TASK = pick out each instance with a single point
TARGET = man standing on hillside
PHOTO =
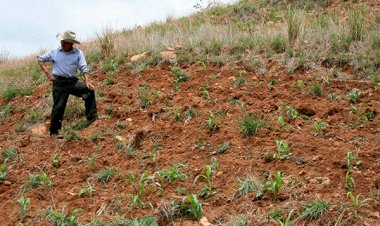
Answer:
(66, 61)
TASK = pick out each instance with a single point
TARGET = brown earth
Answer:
(316, 168)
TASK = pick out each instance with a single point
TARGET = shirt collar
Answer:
(72, 51)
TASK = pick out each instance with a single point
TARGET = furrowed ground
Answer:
(228, 133)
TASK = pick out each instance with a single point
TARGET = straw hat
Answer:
(67, 36)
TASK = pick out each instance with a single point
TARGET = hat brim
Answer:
(60, 38)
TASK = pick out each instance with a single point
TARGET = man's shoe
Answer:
(56, 136)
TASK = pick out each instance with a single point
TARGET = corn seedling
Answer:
(212, 123)
(318, 127)
(272, 186)
(91, 161)
(251, 125)
(281, 121)
(357, 203)
(349, 182)
(62, 218)
(56, 160)
(326, 81)
(240, 79)
(354, 95)
(136, 201)
(283, 150)
(86, 191)
(204, 93)
(206, 174)
(291, 113)
(3, 171)
(315, 209)
(299, 85)
(249, 184)
(190, 206)
(177, 113)
(359, 114)
(288, 221)
(180, 75)
(139, 185)
(349, 158)
(38, 180)
(173, 173)
(23, 202)
(105, 175)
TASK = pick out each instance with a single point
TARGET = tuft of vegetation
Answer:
(249, 184)
(294, 21)
(251, 125)
(283, 150)
(356, 21)
(173, 173)
(190, 206)
(5, 112)
(62, 218)
(104, 176)
(37, 180)
(315, 209)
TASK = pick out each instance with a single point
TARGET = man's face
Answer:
(66, 46)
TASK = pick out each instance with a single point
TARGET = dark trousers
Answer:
(62, 88)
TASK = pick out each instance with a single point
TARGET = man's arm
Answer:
(87, 81)
(44, 68)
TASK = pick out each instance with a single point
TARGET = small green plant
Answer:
(221, 149)
(20, 127)
(110, 80)
(275, 184)
(140, 185)
(23, 202)
(91, 161)
(272, 82)
(283, 150)
(359, 114)
(190, 113)
(275, 214)
(281, 121)
(9, 153)
(190, 206)
(316, 90)
(3, 171)
(105, 175)
(212, 123)
(251, 125)
(34, 116)
(349, 182)
(288, 221)
(315, 209)
(144, 96)
(357, 203)
(37, 180)
(180, 75)
(206, 174)
(177, 113)
(291, 113)
(299, 85)
(318, 127)
(86, 191)
(56, 160)
(278, 44)
(354, 95)
(173, 173)
(5, 112)
(240, 79)
(204, 93)
(62, 218)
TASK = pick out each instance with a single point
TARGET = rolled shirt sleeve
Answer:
(47, 57)
(82, 64)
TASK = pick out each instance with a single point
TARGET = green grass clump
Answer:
(11, 92)
(180, 75)
(315, 209)
(316, 90)
(38, 180)
(62, 218)
(172, 173)
(5, 112)
(251, 125)
(105, 175)
(356, 22)
(248, 184)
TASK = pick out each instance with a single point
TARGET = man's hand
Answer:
(88, 82)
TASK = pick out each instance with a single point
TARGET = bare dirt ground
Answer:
(316, 168)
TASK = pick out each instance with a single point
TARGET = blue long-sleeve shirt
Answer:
(65, 64)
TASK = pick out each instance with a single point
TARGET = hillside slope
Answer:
(213, 129)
